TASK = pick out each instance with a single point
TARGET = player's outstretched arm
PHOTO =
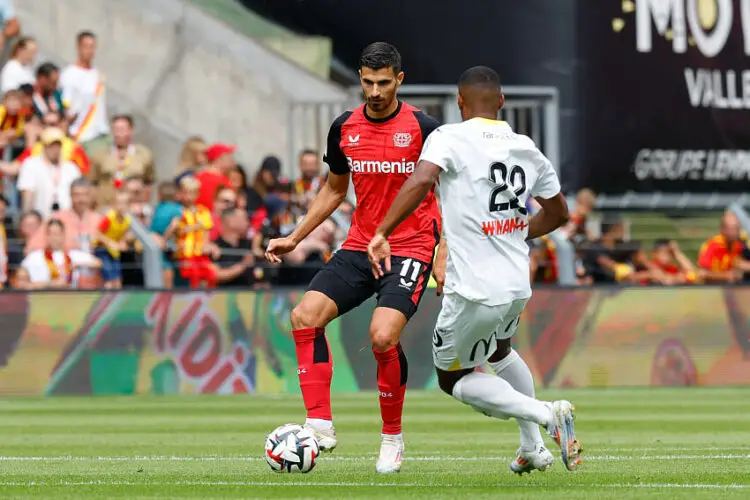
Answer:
(407, 200)
(325, 203)
(410, 196)
(554, 213)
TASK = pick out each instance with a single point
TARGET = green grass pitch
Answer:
(639, 443)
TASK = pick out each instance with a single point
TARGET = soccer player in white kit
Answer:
(487, 173)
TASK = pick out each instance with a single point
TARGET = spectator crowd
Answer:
(612, 258)
(77, 184)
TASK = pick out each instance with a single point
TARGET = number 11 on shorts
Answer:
(416, 267)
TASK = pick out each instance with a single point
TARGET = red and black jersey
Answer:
(381, 154)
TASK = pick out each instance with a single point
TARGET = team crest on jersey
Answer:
(402, 139)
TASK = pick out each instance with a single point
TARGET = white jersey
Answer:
(489, 173)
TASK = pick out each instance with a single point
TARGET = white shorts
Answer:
(466, 332)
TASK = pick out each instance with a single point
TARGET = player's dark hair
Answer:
(479, 76)
(27, 89)
(47, 69)
(660, 244)
(81, 36)
(380, 55)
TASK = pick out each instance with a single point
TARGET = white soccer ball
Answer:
(291, 448)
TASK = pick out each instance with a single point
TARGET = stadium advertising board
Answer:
(237, 343)
(665, 95)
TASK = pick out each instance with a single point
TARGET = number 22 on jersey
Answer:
(506, 181)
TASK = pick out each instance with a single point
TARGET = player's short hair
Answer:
(660, 244)
(479, 76)
(82, 35)
(308, 151)
(47, 69)
(381, 55)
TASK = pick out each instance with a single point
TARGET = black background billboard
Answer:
(663, 103)
(671, 115)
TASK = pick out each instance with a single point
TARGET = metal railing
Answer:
(530, 110)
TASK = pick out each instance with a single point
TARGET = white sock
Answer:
(319, 423)
(514, 370)
(495, 397)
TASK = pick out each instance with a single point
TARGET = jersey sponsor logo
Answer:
(501, 227)
(353, 140)
(381, 167)
(402, 139)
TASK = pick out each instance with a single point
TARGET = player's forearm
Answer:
(407, 200)
(544, 223)
(322, 207)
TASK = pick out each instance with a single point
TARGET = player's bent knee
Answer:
(502, 351)
(383, 339)
(312, 313)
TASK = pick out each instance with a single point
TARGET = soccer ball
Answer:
(291, 448)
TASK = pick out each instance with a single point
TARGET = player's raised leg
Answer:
(393, 370)
(314, 363)
(461, 342)
(508, 365)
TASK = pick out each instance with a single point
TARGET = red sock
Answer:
(315, 370)
(392, 374)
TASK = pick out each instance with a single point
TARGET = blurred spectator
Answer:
(721, 258)
(54, 267)
(111, 240)
(265, 181)
(192, 230)
(280, 221)
(83, 89)
(310, 179)
(235, 261)
(71, 150)
(576, 226)
(3, 244)
(193, 155)
(671, 266)
(28, 225)
(238, 179)
(124, 160)
(166, 211)
(47, 97)
(12, 119)
(308, 257)
(8, 22)
(215, 174)
(225, 199)
(45, 180)
(604, 261)
(81, 222)
(20, 68)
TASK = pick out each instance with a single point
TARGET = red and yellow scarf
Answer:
(54, 272)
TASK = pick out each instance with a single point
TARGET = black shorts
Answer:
(347, 280)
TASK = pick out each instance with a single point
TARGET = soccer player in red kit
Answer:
(377, 145)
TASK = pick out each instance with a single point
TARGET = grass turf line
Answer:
(647, 443)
